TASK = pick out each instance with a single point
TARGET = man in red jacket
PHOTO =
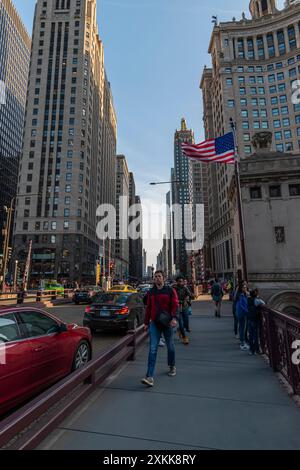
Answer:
(161, 299)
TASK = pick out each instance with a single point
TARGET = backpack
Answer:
(217, 290)
(253, 310)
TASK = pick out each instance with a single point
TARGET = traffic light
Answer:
(98, 273)
(9, 253)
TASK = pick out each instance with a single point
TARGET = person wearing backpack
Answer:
(160, 318)
(217, 296)
(183, 294)
(254, 314)
(242, 312)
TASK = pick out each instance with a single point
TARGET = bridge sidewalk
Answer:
(222, 398)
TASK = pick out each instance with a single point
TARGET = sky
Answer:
(155, 51)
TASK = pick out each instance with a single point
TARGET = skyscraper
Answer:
(135, 245)
(254, 64)
(14, 67)
(122, 204)
(183, 192)
(68, 158)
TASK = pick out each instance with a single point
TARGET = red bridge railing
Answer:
(280, 341)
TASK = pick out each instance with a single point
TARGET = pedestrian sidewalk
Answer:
(221, 398)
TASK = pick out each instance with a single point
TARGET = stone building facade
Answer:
(270, 191)
(67, 167)
(255, 63)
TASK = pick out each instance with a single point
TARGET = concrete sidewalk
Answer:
(222, 398)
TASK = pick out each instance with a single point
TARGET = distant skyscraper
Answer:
(14, 67)
(254, 63)
(68, 159)
(122, 241)
(183, 191)
(144, 262)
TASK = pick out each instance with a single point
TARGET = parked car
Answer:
(37, 350)
(122, 288)
(114, 310)
(82, 296)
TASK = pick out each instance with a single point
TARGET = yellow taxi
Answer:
(123, 288)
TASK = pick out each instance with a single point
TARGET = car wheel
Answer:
(82, 355)
(76, 303)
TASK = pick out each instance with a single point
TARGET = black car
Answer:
(112, 311)
(82, 296)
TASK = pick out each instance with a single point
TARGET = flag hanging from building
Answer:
(219, 150)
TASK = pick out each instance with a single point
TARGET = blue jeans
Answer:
(183, 322)
(253, 328)
(155, 334)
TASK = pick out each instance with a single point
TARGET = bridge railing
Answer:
(280, 341)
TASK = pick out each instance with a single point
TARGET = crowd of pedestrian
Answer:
(246, 309)
(247, 317)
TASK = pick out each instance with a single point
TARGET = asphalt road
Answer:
(70, 313)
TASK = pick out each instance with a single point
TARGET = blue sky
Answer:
(155, 51)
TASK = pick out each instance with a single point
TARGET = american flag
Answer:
(220, 150)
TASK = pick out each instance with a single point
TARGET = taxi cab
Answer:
(123, 288)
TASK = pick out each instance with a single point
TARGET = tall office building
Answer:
(69, 146)
(135, 246)
(183, 192)
(15, 46)
(122, 204)
(144, 262)
(254, 64)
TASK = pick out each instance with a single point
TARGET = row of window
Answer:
(260, 68)
(274, 191)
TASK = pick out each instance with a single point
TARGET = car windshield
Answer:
(114, 299)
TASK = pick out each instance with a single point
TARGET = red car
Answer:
(36, 350)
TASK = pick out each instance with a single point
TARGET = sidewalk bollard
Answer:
(53, 295)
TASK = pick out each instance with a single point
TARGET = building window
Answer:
(275, 191)
(255, 192)
(280, 234)
(280, 148)
(230, 103)
(294, 189)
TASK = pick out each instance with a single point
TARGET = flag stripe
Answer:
(219, 150)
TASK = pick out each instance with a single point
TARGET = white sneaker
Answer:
(244, 347)
(162, 343)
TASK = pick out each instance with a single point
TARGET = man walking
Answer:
(217, 296)
(160, 318)
(184, 295)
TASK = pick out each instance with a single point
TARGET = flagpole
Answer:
(239, 203)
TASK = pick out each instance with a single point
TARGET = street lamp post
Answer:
(16, 275)
(9, 211)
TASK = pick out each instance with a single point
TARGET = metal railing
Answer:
(37, 296)
(279, 334)
(27, 427)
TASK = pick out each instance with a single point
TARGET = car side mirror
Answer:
(61, 328)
